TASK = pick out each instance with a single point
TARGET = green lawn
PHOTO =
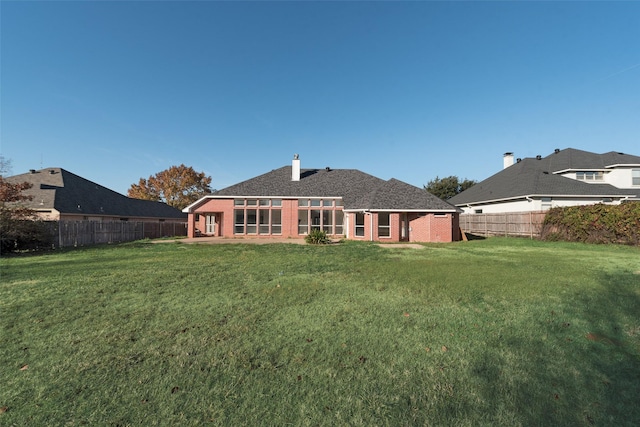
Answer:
(490, 332)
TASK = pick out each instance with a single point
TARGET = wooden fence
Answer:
(521, 224)
(86, 233)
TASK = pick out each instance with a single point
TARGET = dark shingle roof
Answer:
(398, 195)
(531, 177)
(357, 189)
(59, 189)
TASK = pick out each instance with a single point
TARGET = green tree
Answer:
(446, 188)
(178, 186)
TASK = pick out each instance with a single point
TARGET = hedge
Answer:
(594, 224)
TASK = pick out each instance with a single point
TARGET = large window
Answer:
(320, 214)
(257, 216)
(359, 224)
(384, 226)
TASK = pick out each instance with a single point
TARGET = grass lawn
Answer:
(489, 332)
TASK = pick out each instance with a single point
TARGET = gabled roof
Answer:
(537, 177)
(59, 189)
(357, 189)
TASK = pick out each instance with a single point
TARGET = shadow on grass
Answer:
(579, 365)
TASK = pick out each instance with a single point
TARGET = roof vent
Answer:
(327, 168)
(32, 171)
(557, 150)
(518, 160)
(51, 171)
(538, 157)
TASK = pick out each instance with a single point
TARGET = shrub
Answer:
(594, 224)
(317, 237)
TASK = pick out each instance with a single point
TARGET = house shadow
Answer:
(577, 365)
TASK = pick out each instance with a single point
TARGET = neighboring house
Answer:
(290, 202)
(567, 177)
(60, 195)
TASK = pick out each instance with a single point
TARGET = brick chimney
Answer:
(295, 168)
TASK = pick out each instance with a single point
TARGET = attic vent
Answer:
(538, 157)
(51, 171)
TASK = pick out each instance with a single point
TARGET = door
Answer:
(404, 227)
(210, 227)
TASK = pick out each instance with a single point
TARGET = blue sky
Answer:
(117, 91)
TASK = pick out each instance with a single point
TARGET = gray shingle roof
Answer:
(57, 188)
(536, 177)
(357, 189)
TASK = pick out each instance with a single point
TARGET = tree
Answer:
(178, 186)
(18, 225)
(448, 187)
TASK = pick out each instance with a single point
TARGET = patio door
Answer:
(210, 227)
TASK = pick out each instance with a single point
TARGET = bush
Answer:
(20, 235)
(317, 237)
(594, 224)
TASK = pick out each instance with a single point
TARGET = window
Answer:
(635, 177)
(327, 222)
(589, 176)
(327, 203)
(478, 211)
(303, 203)
(303, 221)
(316, 202)
(315, 219)
(546, 203)
(384, 226)
(276, 221)
(339, 215)
(263, 221)
(238, 221)
(359, 224)
(251, 221)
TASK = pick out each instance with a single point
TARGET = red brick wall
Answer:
(423, 227)
(433, 227)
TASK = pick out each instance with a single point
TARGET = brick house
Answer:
(290, 202)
